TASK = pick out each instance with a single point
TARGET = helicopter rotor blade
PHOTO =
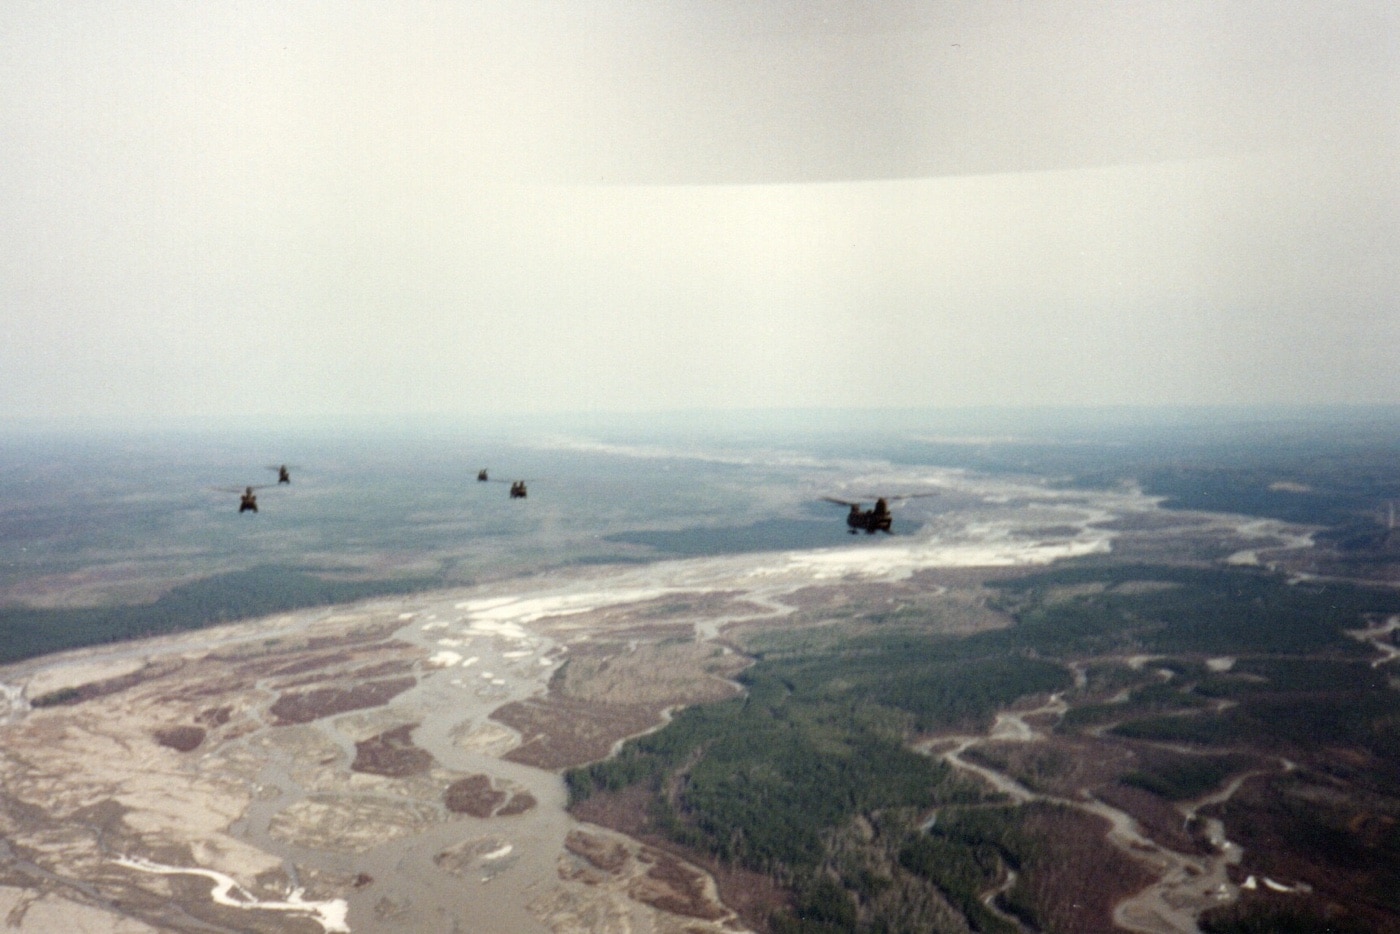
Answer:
(871, 499)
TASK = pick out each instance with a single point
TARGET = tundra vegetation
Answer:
(810, 779)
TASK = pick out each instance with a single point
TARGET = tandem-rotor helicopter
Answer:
(284, 473)
(877, 519)
(247, 499)
(517, 487)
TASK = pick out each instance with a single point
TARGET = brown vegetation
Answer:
(752, 896)
(670, 885)
(473, 795)
(631, 673)
(1077, 877)
(277, 652)
(559, 733)
(214, 717)
(653, 876)
(306, 706)
(951, 601)
(1157, 818)
(95, 689)
(392, 753)
(609, 691)
(607, 855)
(346, 671)
(1055, 766)
(180, 738)
(313, 662)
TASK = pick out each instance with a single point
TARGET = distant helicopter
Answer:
(517, 487)
(870, 521)
(284, 474)
(247, 499)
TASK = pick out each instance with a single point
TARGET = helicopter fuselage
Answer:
(870, 521)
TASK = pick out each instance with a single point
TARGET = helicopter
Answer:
(247, 499)
(877, 519)
(284, 474)
(517, 487)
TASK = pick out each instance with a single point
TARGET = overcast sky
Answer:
(366, 208)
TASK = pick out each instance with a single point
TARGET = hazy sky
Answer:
(350, 207)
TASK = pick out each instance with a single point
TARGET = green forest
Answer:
(259, 591)
(809, 778)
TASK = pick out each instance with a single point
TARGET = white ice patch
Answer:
(501, 853)
(899, 560)
(331, 915)
(505, 630)
(12, 701)
(481, 606)
(445, 659)
(523, 653)
(505, 615)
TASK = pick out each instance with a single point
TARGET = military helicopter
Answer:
(284, 474)
(518, 490)
(517, 487)
(247, 499)
(870, 521)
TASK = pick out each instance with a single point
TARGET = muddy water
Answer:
(410, 891)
